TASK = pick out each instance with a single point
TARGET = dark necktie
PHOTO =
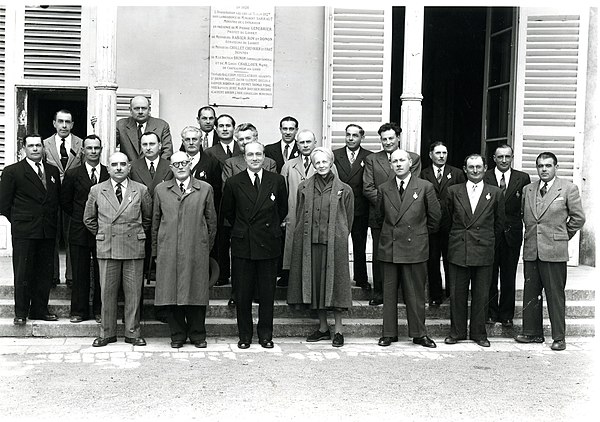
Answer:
(439, 175)
(93, 178)
(205, 140)
(286, 151)
(64, 156)
(306, 164)
(256, 182)
(40, 174)
(352, 157)
(544, 189)
(401, 188)
(502, 184)
(119, 193)
(182, 187)
(229, 152)
(139, 135)
(152, 169)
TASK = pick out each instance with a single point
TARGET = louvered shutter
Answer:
(550, 96)
(357, 73)
(52, 43)
(124, 96)
(2, 87)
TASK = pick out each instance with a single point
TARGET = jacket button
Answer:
(268, 225)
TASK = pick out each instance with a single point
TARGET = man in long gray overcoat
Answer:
(184, 227)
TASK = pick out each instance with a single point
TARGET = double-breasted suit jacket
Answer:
(184, 228)
(208, 170)
(139, 173)
(549, 226)
(73, 197)
(407, 222)
(120, 229)
(217, 151)
(52, 155)
(255, 217)
(451, 176)
(129, 144)
(352, 175)
(273, 151)
(237, 164)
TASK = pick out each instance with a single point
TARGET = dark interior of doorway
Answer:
(42, 104)
(453, 69)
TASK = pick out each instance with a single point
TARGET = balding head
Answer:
(139, 107)
(400, 163)
(118, 167)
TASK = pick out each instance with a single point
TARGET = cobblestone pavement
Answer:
(67, 379)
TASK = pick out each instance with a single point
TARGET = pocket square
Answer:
(560, 198)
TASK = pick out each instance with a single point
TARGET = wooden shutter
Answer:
(2, 87)
(124, 96)
(357, 73)
(52, 43)
(550, 97)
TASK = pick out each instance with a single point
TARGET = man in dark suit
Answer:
(221, 151)
(118, 212)
(474, 217)
(286, 148)
(442, 176)
(29, 199)
(410, 211)
(150, 170)
(255, 202)
(63, 151)
(73, 196)
(508, 244)
(377, 170)
(206, 119)
(552, 214)
(350, 165)
(131, 129)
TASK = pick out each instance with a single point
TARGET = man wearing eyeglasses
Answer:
(184, 228)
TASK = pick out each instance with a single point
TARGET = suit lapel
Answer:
(128, 197)
(75, 149)
(550, 196)
(343, 164)
(409, 196)
(384, 163)
(463, 199)
(54, 153)
(483, 203)
(394, 197)
(34, 178)
(266, 188)
(512, 184)
(132, 132)
(145, 173)
(109, 194)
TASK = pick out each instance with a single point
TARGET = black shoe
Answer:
(19, 321)
(435, 303)
(76, 319)
(267, 344)
(282, 282)
(101, 341)
(98, 318)
(483, 342)
(69, 283)
(222, 282)
(558, 345)
(386, 341)
(364, 285)
(200, 344)
(376, 302)
(231, 303)
(47, 317)
(507, 323)
(243, 344)
(338, 340)
(319, 335)
(425, 342)
(136, 341)
(522, 338)
(55, 282)
(177, 344)
(450, 340)
(490, 321)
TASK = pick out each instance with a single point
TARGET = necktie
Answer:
(41, 174)
(439, 175)
(544, 189)
(502, 184)
(152, 169)
(119, 193)
(139, 135)
(64, 157)
(286, 151)
(182, 187)
(93, 178)
(256, 182)
(306, 164)
(229, 152)
(205, 141)
(401, 189)
(352, 157)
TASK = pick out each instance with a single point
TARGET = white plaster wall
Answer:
(167, 48)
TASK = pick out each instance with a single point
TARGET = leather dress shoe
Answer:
(243, 344)
(101, 341)
(136, 341)
(558, 345)
(376, 302)
(507, 323)
(319, 335)
(522, 338)
(222, 282)
(364, 285)
(425, 342)
(450, 340)
(98, 319)
(200, 344)
(76, 318)
(338, 340)
(490, 321)
(483, 342)
(231, 303)
(267, 344)
(386, 341)
(282, 282)
(177, 344)
(435, 303)
(19, 321)
(47, 317)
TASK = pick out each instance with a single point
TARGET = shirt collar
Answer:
(155, 161)
(251, 174)
(124, 183)
(499, 174)
(59, 139)
(33, 164)
(436, 168)
(471, 184)
(89, 168)
(405, 180)
(550, 183)
(186, 183)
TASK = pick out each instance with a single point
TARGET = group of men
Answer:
(416, 217)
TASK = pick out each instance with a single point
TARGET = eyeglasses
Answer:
(180, 164)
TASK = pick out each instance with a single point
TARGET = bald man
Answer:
(119, 213)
